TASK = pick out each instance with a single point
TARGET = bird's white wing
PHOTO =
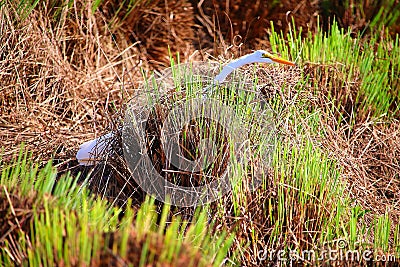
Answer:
(90, 152)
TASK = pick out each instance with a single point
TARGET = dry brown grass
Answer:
(159, 28)
(16, 216)
(367, 148)
(156, 246)
(244, 25)
(369, 156)
(59, 85)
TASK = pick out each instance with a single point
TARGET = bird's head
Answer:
(259, 56)
(265, 57)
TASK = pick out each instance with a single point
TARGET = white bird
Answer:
(90, 152)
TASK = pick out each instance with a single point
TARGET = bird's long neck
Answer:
(237, 63)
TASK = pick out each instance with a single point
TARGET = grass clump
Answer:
(358, 74)
(48, 222)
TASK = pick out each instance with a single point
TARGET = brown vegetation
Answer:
(135, 246)
(16, 215)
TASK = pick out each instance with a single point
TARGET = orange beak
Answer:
(282, 61)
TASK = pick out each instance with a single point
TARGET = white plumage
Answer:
(90, 152)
